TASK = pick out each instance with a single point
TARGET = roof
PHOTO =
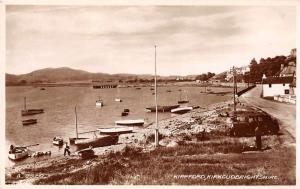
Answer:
(289, 70)
(278, 80)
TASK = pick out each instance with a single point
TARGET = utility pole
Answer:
(156, 113)
(76, 123)
(234, 90)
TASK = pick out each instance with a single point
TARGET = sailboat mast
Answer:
(76, 123)
(156, 113)
(25, 103)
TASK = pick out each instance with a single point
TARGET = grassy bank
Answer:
(165, 165)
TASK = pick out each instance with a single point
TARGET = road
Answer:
(285, 113)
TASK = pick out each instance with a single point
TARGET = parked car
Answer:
(245, 122)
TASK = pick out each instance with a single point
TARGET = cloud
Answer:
(121, 38)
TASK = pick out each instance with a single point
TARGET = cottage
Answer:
(273, 86)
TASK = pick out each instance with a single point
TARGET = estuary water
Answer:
(59, 117)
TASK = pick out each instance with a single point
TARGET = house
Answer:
(274, 86)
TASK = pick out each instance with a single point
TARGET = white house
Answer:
(273, 86)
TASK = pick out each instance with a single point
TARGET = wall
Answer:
(276, 89)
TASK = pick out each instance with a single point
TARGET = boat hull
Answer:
(130, 122)
(181, 110)
(19, 155)
(31, 112)
(162, 108)
(183, 101)
(115, 131)
(29, 122)
(106, 140)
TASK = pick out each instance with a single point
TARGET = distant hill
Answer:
(65, 75)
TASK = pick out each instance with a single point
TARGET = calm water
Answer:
(59, 117)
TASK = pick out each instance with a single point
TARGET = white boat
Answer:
(18, 153)
(58, 141)
(182, 110)
(115, 130)
(136, 122)
(118, 100)
(99, 103)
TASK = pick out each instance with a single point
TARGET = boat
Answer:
(181, 110)
(58, 141)
(29, 122)
(118, 100)
(18, 153)
(115, 130)
(99, 102)
(124, 114)
(27, 112)
(138, 88)
(136, 122)
(99, 141)
(42, 89)
(169, 91)
(162, 108)
(126, 110)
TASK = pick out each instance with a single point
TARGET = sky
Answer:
(120, 39)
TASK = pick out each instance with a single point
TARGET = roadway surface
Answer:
(285, 113)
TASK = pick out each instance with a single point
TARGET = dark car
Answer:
(245, 122)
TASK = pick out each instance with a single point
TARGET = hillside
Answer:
(68, 75)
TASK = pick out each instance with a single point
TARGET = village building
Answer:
(273, 86)
(283, 86)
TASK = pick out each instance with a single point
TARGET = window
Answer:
(270, 85)
(286, 91)
(283, 84)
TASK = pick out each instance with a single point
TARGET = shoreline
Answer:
(177, 134)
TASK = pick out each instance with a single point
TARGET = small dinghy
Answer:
(136, 122)
(181, 110)
(58, 141)
(18, 153)
(99, 103)
(118, 100)
(29, 122)
(124, 114)
(115, 130)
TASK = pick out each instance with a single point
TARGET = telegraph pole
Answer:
(156, 113)
(234, 89)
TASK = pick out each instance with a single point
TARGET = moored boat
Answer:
(104, 140)
(27, 112)
(115, 130)
(136, 122)
(118, 100)
(99, 103)
(18, 153)
(124, 113)
(58, 141)
(162, 108)
(29, 121)
(181, 110)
